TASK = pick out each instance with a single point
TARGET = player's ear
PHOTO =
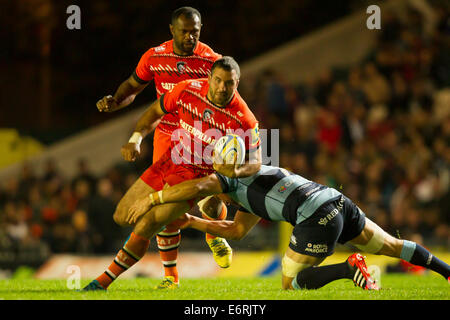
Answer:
(171, 29)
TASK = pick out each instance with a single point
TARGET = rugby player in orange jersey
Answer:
(183, 57)
(207, 109)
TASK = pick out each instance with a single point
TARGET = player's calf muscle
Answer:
(392, 247)
(147, 226)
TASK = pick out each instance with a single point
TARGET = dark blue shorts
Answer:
(336, 221)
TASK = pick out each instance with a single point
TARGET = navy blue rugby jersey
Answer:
(277, 194)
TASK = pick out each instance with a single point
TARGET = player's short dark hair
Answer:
(227, 63)
(188, 12)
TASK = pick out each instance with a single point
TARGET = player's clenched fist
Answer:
(130, 151)
(107, 104)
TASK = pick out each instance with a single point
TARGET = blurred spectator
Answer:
(85, 174)
(276, 94)
(100, 212)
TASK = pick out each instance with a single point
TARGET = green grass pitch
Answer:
(394, 287)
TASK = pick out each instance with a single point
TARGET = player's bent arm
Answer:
(184, 191)
(124, 96)
(188, 190)
(150, 119)
(127, 92)
(146, 124)
(252, 166)
(233, 230)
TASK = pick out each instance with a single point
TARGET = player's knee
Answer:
(376, 242)
(120, 215)
(289, 270)
(119, 218)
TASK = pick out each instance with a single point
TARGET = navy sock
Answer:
(418, 255)
(317, 277)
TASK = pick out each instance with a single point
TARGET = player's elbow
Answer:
(254, 168)
(206, 186)
(201, 189)
(248, 170)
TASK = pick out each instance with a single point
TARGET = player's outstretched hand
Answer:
(107, 104)
(130, 151)
(138, 209)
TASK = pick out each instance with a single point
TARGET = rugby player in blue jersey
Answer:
(321, 217)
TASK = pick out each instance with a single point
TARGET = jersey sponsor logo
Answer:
(167, 85)
(195, 84)
(316, 248)
(181, 67)
(284, 187)
(160, 48)
(197, 133)
(328, 217)
(323, 221)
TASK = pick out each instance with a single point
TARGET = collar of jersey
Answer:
(215, 105)
(193, 52)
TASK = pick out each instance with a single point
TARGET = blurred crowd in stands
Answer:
(378, 131)
(67, 215)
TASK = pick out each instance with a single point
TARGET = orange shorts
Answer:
(164, 171)
(161, 143)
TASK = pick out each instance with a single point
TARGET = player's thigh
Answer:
(313, 240)
(373, 239)
(292, 263)
(158, 217)
(138, 190)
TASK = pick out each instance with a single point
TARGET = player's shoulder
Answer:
(242, 109)
(165, 47)
(196, 84)
(192, 84)
(205, 51)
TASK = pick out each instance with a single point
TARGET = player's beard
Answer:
(187, 48)
(221, 98)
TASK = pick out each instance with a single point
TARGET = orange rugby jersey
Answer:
(166, 69)
(201, 122)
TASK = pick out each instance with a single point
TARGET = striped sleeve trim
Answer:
(139, 80)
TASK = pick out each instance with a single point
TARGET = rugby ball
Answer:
(229, 149)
